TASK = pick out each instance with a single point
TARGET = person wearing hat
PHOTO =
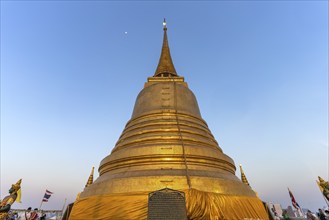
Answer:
(14, 194)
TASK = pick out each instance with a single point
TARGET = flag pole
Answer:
(41, 204)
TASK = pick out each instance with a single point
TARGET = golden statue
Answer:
(6, 203)
(167, 144)
(324, 186)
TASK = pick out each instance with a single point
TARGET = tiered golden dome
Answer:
(166, 143)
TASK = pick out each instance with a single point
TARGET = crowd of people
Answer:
(321, 215)
(29, 214)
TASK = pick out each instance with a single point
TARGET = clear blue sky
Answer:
(70, 76)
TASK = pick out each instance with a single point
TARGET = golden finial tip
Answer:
(164, 24)
(19, 182)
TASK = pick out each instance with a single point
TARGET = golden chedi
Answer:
(167, 144)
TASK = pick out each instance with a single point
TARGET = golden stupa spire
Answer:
(243, 176)
(91, 178)
(165, 67)
(167, 144)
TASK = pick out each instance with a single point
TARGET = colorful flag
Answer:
(46, 196)
(293, 201)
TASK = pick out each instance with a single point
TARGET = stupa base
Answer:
(199, 205)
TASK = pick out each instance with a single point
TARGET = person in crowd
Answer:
(10, 215)
(310, 215)
(43, 216)
(322, 216)
(15, 215)
(26, 215)
(326, 212)
(34, 214)
(285, 215)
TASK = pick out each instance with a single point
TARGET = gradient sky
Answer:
(70, 76)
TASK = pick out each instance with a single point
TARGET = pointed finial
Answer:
(17, 186)
(91, 178)
(323, 183)
(243, 176)
(165, 67)
(320, 179)
(164, 24)
(19, 182)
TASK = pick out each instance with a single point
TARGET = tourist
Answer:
(26, 215)
(322, 216)
(43, 216)
(285, 215)
(310, 215)
(276, 216)
(10, 215)
(326, 212)
(15, 215)
(34, 215)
